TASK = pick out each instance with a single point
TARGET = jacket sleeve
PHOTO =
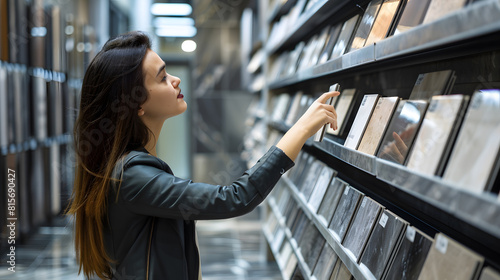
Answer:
(146, 189)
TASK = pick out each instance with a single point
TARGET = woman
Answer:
(133, 217)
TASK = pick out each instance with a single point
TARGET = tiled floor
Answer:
(230, 249)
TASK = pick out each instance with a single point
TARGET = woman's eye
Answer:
(164, 78)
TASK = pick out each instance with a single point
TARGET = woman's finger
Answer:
(324, 97)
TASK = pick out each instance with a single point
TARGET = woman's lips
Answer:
(180, 95)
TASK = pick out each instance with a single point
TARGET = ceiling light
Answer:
(188, 46)
(163, 21)
(171, 9)
(176, 31)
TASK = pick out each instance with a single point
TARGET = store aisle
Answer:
(229, 250)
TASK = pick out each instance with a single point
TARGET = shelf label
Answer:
(410, 234)
(441, 244)
(383, 220)
(346, 191)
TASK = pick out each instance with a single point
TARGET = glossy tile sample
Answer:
(430, 84)
(332, 39)
(437, 134)
(331, 199)
(345, 212)
(383, 21)
(413, 15)
(365, 25)
(489, 273)
(440, 8)
(324, 179)
(410, 256)
(448, 259)
(344, 37)
(402, 130)
(377, 125)
(361, 120)
(478, 143)
(383, 242)
(361, 227)
(326, 263)
(312, 176)
(343, 108)
(340, 272)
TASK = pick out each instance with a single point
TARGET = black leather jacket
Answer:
(151, 231)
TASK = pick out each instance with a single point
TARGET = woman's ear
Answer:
(140, 112)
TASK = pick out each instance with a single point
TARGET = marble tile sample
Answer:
(410, 256)
(365, 25)
(344, 37)
(489, 273)
(429, 84)
(340, 272)
(440, 8)
(383, 242)
(361, 120)
(307, 186)
(345, 211)
(437, 133)
(324, 179)
(326, 263)
(361, 227)
(448, 259)
(331, 199)
(379, 121)
(413, 15)
(402, 129)
(478, 144)
(383, 22)
(343, 108)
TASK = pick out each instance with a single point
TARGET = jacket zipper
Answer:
(149, 248)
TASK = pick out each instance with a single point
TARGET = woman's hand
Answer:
(313, 119)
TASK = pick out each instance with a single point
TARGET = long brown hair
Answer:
(106, 128)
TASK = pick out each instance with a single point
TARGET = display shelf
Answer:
(357, 159)
(288, 235)
(477, 19)
(341, 252)
(309, 21)
(448, 34)
(479, 209)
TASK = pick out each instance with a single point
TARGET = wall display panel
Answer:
(361, 120)
(447, 259)
(344, 212)
(478, 144)
(290, 266)
(11, 105)
(434, 83)
(440, 8)
(365, 25)
(322, 41)
(410, 256)
(437, 133)
(379, 121)
(383, 243)
(331, 200)
(344, 37)
(310, 247)
(362, 225)
(37, 41)
(383, 22)
(18, 32)
(412, 15)
(401, 132)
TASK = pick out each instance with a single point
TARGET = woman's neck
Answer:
(155, 129)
